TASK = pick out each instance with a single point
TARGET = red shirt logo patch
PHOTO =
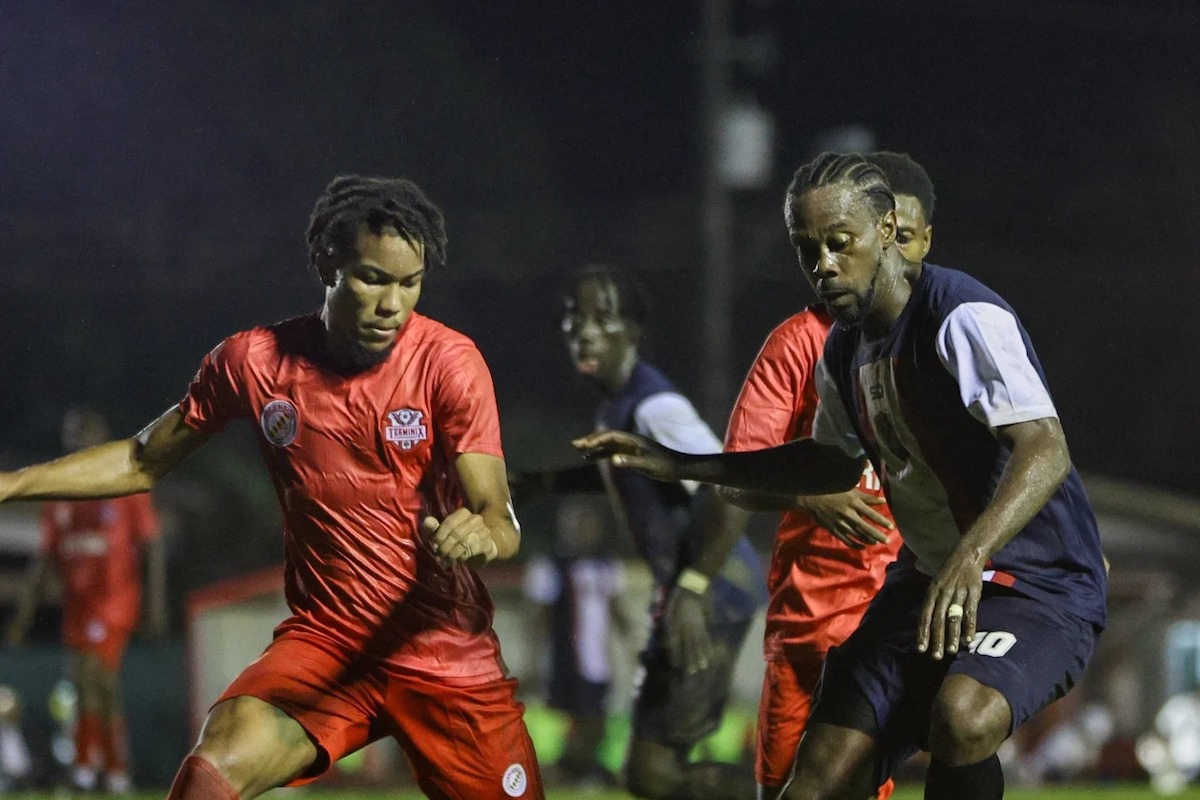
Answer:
(280, 422)
(407, 428)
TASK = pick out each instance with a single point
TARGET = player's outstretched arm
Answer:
(113, 469)
(799, 467)
(486, 527)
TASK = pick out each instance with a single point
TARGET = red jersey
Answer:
(358, 460)
(819, 586)
(96, 546)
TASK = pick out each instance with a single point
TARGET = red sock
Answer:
(115, 746)
(89, 733)
(199, 780)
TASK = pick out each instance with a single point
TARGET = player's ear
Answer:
(326, 266)
(888, 227)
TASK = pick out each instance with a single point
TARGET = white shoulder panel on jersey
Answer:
(981, 346)
(670, 419)
(831, 424)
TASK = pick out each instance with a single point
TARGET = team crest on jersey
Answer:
(280, 422)
(406, 428)
(515, 781)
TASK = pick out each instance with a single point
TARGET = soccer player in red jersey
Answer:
(96, 547)
(380, 431)
(819, 587)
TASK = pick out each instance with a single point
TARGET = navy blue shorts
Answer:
(676, 709)
(1028, 651)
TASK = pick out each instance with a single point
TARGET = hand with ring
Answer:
(948, 616)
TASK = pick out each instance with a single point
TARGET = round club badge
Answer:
(280, 422)
(514, 780)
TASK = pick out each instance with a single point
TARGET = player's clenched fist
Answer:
(463, 536)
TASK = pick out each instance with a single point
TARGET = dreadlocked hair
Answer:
(829, 169)
(906, 176)
(634, 305)
(352, 201)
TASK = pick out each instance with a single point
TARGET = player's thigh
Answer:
(333, 697)
(464, 742)
(677, 708)
(835, 762)
(783, 711)
(1024, 649)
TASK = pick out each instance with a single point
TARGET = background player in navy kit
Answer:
(929, 374)
(689, 661)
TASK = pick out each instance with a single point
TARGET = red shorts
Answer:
(462, 741)
(783, 712)
(95, 636)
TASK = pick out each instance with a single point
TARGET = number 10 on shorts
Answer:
(991, 643)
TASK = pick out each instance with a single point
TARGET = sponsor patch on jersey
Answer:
(514, 781)
(406, 427)
(280, 422)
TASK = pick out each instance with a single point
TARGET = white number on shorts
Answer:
(992, 643)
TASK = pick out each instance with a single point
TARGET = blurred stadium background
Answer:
(158, 168)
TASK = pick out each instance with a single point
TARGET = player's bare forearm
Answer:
(108, 470)
(760, 502)
(721, 525)
(1038, 464)
(799, 467)
(484, 480)
(113, 469)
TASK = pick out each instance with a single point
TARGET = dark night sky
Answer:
(156, 168)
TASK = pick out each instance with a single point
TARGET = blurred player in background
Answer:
(380, 431)
(930, 375)
(704, 600)
(96, 548)
(577, 585)
(828, 561)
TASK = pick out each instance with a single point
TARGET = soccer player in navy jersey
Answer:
(706, 596)
(994, 605)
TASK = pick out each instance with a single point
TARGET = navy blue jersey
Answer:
(662, 517)
(923, 402)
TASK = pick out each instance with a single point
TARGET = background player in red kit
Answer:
(819, 587)
(96, 548)
(380, 431)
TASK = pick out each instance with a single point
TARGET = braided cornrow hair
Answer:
(828, 169)
(351, 201)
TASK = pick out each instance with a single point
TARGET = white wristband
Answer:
(693, 580)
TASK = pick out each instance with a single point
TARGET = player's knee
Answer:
(253, 745)
(970, 721)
